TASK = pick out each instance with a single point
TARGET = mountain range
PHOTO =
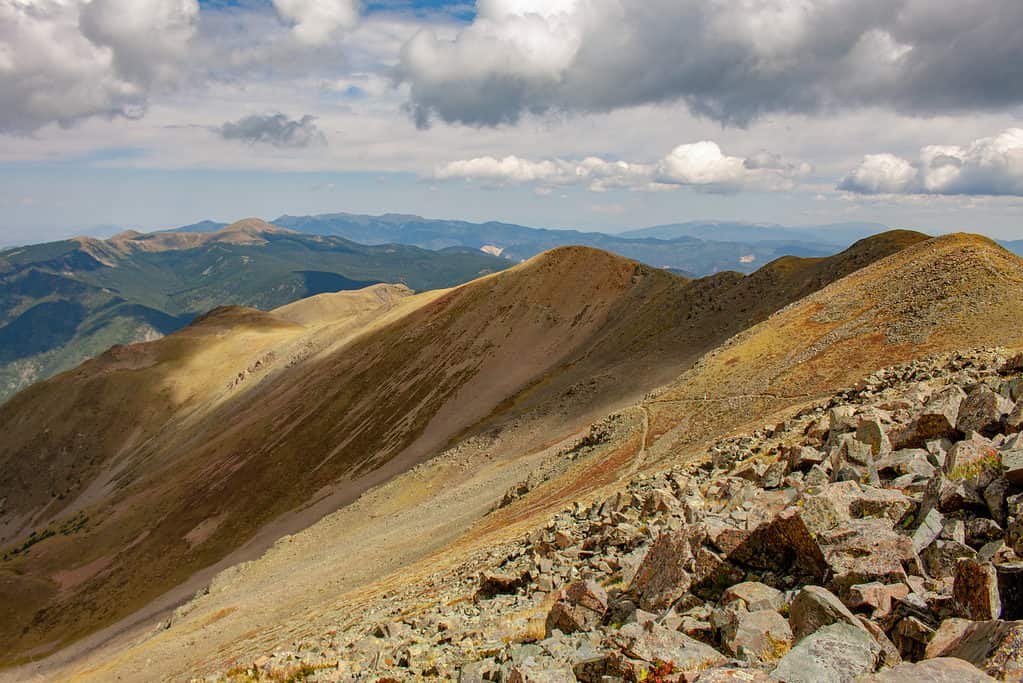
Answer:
(693, 249)
(130, 481)
(64, 302)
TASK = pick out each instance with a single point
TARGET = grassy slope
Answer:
(63, 302)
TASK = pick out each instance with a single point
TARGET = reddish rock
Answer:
(971, 459)
(983, 411)
(995, 647)
(664, 576)
(975, 591)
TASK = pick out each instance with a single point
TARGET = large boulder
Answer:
(783, 544)
(815, 607)
(983, 411)
(838, 653)
(664, 575)
(995, 647)
(866, 550)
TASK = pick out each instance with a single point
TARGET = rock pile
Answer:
(877, 537)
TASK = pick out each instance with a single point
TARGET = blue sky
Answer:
(560, 113)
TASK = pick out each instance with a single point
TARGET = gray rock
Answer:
(929, 530)
(940, 670)
(760, 637)
(542, 673)
(834, 654)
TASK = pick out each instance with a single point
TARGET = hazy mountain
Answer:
(692, 254)
(63, 302)
(838, 234)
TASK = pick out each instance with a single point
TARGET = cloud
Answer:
(729, 61)
(65, 60)
(274, 129)
(314, 22)
(702, 165)
(989, 166)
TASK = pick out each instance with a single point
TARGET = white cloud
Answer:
(987, 166)
(700, 164)
(314, 22)
(64, 60)
(729, 61)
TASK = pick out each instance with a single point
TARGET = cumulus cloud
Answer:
(729, 61)
(275, 129)
(314, 22)
(64, 60)
(702, 165)
(988, 166)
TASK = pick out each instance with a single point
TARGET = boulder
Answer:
(581, 608)
(834, 654)
(756, 596)
(815, 607)
(803, 458)
(975, 591)
(983, 411)
(973, 458)
(761, 637)
(995, 647)
(907, 461)
(664, 575)
(733, 674)
(651, 643)
(941, 558)
(783, 544)
(865, 550)
(1014, 420)
(929, 530)
(872, 432)
(940, 670)
(876, 597)
(493, 584)
(936, 420)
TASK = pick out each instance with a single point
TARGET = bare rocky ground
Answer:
(875, 536)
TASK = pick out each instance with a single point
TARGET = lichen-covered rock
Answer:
(581, 608)
(838, 653)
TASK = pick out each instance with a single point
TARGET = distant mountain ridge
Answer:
(64, 302)
(743, 248)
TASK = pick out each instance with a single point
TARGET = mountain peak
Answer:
(251, 226)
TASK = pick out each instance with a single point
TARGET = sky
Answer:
(591, 114)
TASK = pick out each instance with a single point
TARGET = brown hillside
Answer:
(154, 461)
(952, 292)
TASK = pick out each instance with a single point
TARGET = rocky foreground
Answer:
(874, 537)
